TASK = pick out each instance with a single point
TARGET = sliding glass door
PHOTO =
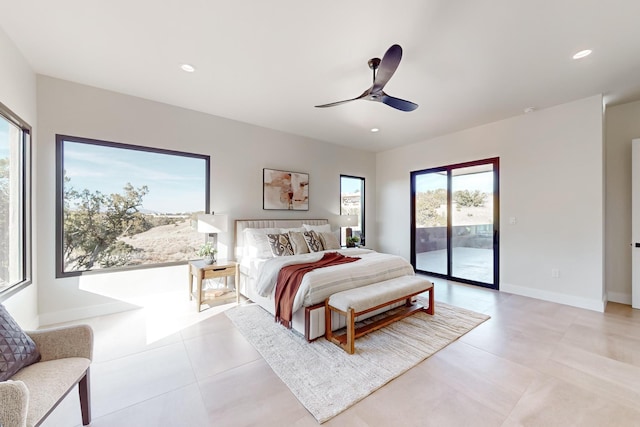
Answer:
(454, 224)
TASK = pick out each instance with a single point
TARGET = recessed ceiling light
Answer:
(530, 109)
(374, 130)
(188, 68)
(582, 54)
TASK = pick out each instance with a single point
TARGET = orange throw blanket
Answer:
(290, 277)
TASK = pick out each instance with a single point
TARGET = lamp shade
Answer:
(208, 223)
(347, 220)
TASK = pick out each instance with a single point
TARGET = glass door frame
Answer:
(495, 161)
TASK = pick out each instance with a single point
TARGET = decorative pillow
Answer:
(280, 244)
(329, 240)
(325, 228)
(298, 243)
(17, 349)
(313, 241)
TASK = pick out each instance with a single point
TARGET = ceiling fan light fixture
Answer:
(188, 68)
(582, 54)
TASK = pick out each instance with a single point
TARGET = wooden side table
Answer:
(202, 271)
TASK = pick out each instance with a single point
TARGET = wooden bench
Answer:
(358, 301)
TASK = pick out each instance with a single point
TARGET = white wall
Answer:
(551, 180)
(622, 125)
(18, 93)
(238, 153)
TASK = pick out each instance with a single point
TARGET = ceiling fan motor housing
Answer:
(374, 63)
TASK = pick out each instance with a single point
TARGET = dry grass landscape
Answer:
(165, 243)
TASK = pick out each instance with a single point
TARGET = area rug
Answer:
(327, 380)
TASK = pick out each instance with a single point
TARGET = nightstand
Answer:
(220, 268)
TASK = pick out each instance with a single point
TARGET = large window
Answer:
(15, 203)
(352, 203)
(125, 206)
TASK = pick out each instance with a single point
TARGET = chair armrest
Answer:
(65, 341)
(14, 403)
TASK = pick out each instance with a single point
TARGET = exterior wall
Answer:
(551, 181)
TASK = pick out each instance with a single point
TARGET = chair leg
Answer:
(85, 398)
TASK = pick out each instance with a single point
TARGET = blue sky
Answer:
(350, 185)
(4, 138)
(476, 181)
(176, 183)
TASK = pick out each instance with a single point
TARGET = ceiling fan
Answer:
(385, 69)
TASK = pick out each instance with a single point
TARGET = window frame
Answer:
(448, 171)
(59, 244)
(25, 202)
(362, 205)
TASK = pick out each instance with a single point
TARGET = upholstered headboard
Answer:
(242, 224)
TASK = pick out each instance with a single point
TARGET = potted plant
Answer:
(207, 252)
(352, 241)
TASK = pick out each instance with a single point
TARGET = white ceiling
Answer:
(466, 62)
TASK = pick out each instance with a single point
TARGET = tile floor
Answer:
(534, 363)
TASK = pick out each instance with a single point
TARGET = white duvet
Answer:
(321, 283)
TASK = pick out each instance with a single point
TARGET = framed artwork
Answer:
(283, 190)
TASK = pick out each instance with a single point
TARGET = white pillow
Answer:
(256, 242)
(295, 229)
(325, 228)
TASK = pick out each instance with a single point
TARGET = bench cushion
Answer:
(369, 296)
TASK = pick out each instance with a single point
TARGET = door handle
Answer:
(637, 245)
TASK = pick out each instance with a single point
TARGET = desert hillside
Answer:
(165, 243)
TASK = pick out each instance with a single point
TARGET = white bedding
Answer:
(321, 283)
(373, 267)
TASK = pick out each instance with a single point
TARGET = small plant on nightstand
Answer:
(352, 241)
(207, 252)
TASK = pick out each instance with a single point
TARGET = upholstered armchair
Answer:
(33, 392)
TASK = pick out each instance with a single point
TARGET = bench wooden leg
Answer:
(350, 346)
(85, 398)
(328, 334)
(431, 310)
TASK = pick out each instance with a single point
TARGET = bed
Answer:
(259, 270)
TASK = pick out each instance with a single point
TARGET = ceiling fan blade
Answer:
(333, 104)
(388, 66)
(397, 103)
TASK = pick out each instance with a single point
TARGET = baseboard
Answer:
(84, 313)
(590, 304)
(619, 297)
